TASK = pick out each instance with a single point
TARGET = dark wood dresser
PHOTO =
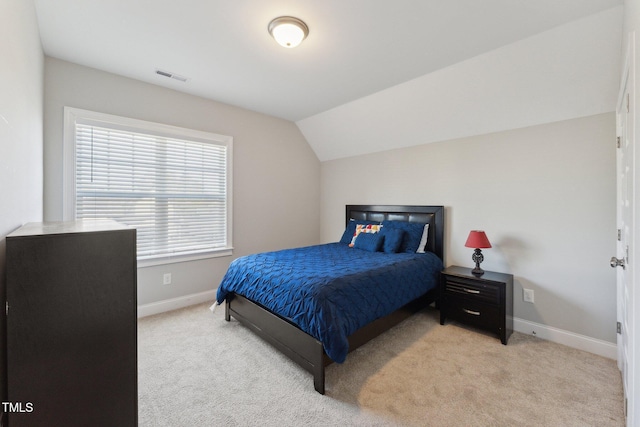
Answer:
(481, 301)
(71, 324)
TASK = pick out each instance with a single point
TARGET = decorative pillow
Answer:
(412, 236)
(362, 228)
(347, 236)
(371, 242)
(392, 239)
(423, 241)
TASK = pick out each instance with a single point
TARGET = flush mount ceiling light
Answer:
(288, 31)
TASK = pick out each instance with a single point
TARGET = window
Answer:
(172, 184)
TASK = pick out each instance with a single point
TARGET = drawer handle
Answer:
(471, 291)
(475, 313)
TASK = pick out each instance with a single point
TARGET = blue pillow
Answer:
(392, 239)
(351, 229)
(371, 242)
(412, 236)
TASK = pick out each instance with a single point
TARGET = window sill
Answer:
(143, 263)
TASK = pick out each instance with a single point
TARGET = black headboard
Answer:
(433, 215)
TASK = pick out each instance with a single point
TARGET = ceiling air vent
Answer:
(172, 75)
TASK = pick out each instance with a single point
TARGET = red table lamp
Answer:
(478, 240)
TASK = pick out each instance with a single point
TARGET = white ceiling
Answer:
(355, 47)
(564, 73)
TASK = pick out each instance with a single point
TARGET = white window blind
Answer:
(174, 190)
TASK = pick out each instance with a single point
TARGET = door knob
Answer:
(617, 262)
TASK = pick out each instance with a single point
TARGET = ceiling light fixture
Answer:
(288, 31)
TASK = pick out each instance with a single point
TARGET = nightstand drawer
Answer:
(472, 312)
(472, 289)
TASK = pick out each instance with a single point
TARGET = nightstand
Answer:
(484, 302)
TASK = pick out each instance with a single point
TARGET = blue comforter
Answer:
(331, 290)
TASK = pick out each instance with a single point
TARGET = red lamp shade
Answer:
(477, 239)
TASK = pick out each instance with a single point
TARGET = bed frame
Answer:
(304, 349)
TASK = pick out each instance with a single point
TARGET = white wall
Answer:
(275, 173)
(545, 195)
(20, 130)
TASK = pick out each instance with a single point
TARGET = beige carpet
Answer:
(195, 369)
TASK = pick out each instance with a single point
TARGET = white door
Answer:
(626, 234)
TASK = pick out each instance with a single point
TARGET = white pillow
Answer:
(423, 241)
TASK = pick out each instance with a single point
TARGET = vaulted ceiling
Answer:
(367, 66)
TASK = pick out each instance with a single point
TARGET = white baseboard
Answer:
(560, 336)
(570, 339)
(175, 303)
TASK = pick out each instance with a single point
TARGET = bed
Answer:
(317, 303)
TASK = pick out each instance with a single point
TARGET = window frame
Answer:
(76, 115)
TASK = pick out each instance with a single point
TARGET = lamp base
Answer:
(477, 271)
(477, 257)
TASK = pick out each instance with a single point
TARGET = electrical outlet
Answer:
(166, 279)
(528, 295)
